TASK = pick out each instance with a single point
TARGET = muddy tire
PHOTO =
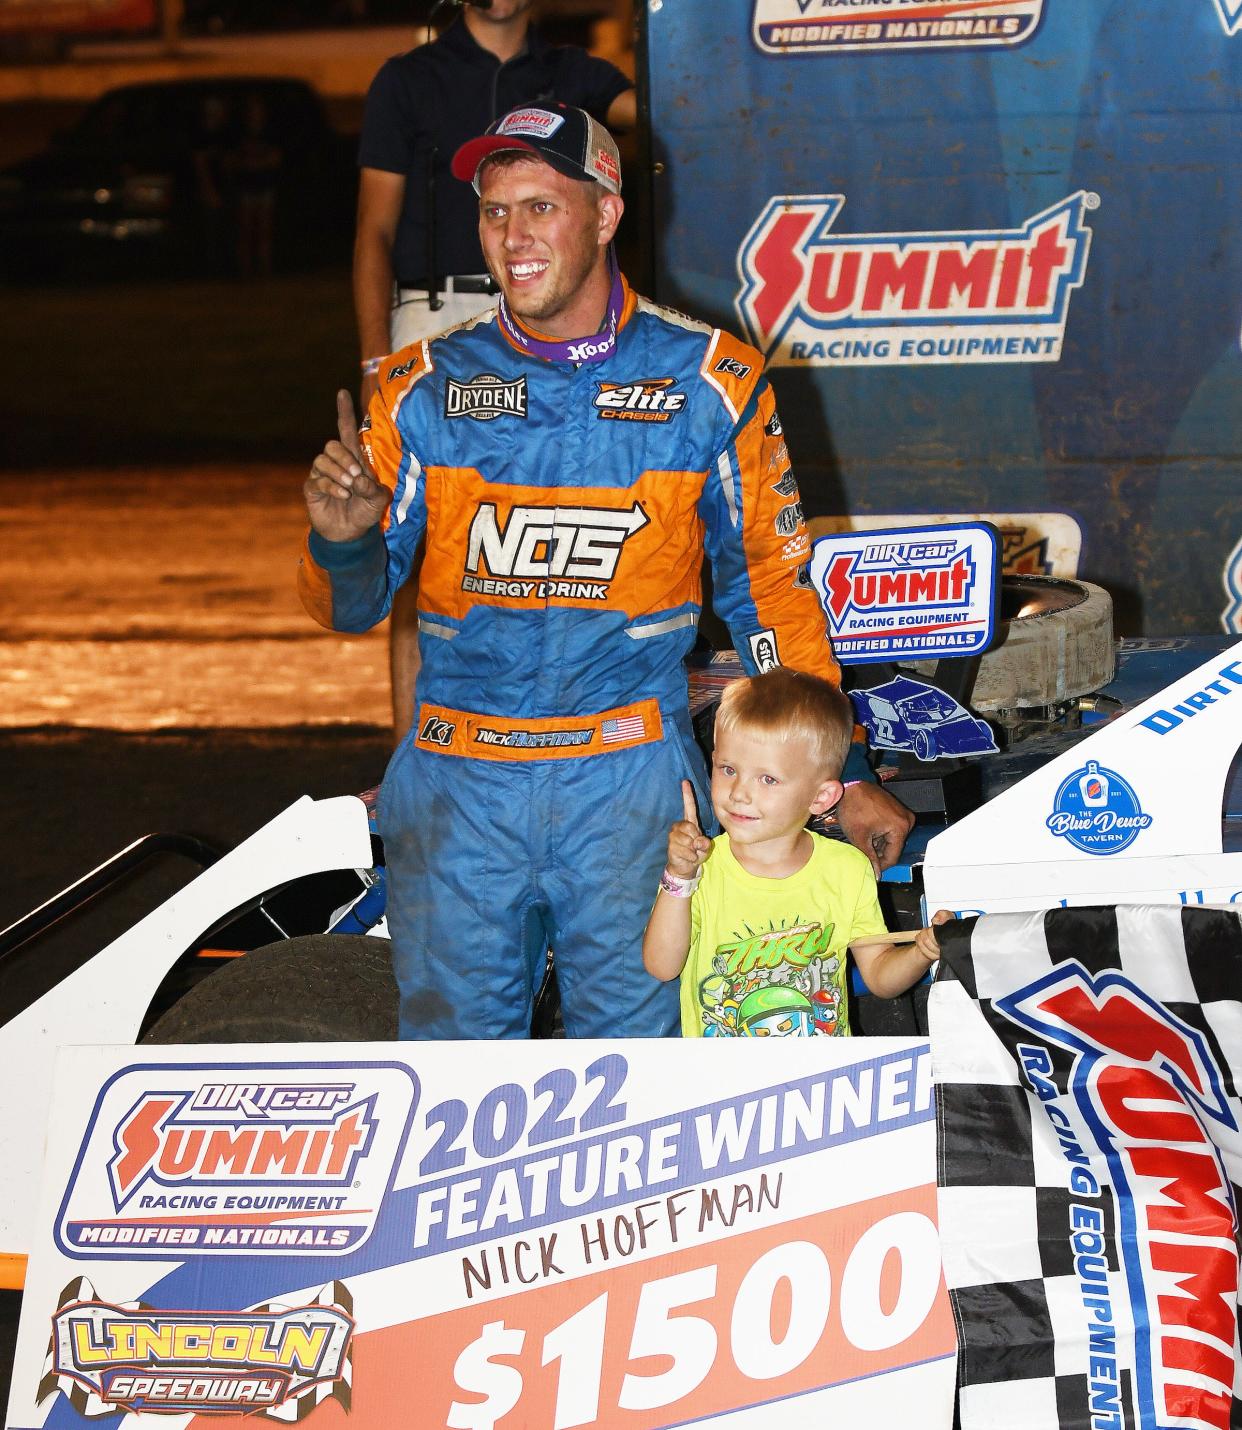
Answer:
(323, 988)
(1056, 645)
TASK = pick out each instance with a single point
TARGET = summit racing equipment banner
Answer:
(606, 1234)
(1086, 1067)
(973, 288)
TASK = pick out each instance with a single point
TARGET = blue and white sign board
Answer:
(911, 593)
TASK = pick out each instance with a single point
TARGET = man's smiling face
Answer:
(545, 238)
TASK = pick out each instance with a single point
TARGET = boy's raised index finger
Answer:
(687, 798)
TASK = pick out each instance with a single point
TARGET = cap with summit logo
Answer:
(567, 138)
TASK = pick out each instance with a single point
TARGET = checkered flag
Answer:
(1090, 1152)
(80, 1397)
(303, 1400)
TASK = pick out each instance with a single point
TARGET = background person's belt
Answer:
(455, 283)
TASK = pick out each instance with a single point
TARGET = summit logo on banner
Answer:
(813, 298)
(792, 27)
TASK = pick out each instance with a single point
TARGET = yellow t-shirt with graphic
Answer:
(767, 956)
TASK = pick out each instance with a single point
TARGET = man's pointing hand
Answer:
(343, 499)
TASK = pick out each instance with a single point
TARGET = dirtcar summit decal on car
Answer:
(813, 298)
(190, 1161)
(910, 593)
(793, 27)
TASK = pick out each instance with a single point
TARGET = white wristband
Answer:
(678, 887)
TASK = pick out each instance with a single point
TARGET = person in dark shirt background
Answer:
(417, 230)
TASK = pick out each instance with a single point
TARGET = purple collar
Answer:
(576, 350)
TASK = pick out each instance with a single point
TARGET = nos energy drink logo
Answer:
(1097, 811)
(813, 298)
(186, 1160)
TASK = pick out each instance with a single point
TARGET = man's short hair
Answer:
(787, 705)
(511, 158)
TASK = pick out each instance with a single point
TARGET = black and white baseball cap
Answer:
(567, 138)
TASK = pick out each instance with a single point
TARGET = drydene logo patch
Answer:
(793, 27)
(1097, 811)
(485, 398)
(233, 1159)
(813, 298)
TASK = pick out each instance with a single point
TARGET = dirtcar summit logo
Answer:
(813, 298)
(785, 27)
(182, 1161)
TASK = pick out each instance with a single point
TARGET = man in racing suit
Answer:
(568, 487)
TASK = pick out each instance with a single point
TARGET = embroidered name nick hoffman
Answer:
(532, 739)
(548, 552)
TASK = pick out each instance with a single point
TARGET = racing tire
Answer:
(924, 745)
(321, 988)
(1057, 646)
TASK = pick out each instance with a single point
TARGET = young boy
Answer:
(757, 921)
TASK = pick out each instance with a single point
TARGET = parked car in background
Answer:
(168, 172)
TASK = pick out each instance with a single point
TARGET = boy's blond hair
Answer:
(786, 705)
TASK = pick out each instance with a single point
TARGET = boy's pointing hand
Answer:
(688, 846)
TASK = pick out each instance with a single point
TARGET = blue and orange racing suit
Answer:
(567, 509)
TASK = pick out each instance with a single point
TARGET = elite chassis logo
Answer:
(184, 1161)
(566, 553)
(174, 1362)
(1145, 1098)
(648, 401)
(485, 398)
(813, 298)
(794, 27)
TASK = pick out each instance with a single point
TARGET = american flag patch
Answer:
(622, 727)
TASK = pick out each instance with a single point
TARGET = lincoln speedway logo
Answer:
(1095, 810)
(485, 398)
(917, 592)
(648, 401)
(174, 1163)
(1230, 12)
(1146, 1089)
(809, 297)
(547, 552)
(784, 27)
(186, 1362)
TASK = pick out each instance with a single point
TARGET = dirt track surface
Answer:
(141, 600)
